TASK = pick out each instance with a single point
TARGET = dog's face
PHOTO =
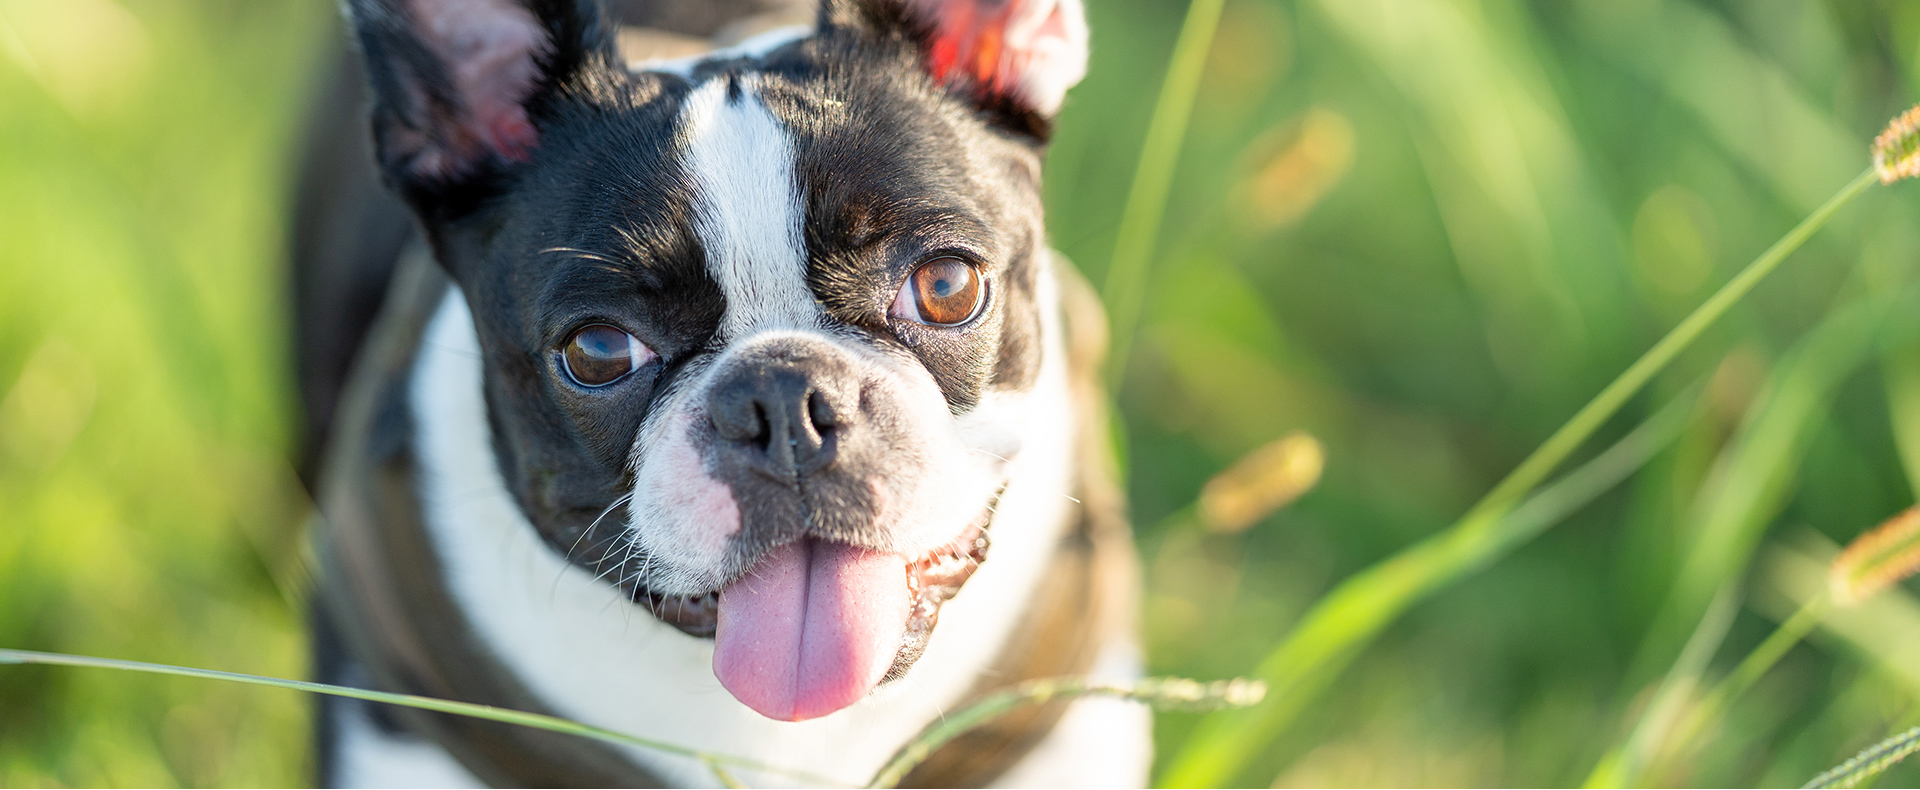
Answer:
(756, 329)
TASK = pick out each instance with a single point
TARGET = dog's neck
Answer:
(464, 599)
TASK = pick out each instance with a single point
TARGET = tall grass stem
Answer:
(488, 712)
(1157, 692)
(1871, 762)
(1160, 692)
(1769, 652)
(1658, 729)
(1124, 286)
(1337, 628)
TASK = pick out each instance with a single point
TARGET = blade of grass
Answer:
(490, 713)
(1902, 372)
(720, 772)
(1871, 762)
(1747, 487)
(1124, 285)
(1343, 622)
(1343, 608)
(1157, 692)
(1752, 479)
(1686, 732)
(1881, 630)
(1623, 765)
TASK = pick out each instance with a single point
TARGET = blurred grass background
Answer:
(1421, 232)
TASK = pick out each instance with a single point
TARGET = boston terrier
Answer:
(733, 400)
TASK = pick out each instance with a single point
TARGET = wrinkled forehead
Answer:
(746, 206)
(742, 194)
(788, 167)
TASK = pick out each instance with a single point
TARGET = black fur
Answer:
(596, 228)
(596, 225)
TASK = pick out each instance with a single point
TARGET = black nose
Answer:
(786, 413)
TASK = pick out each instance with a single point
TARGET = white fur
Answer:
(592, 655)
(681, 517)
(1052, 37)
(747, 209)
(1042, 44)
(740, 162)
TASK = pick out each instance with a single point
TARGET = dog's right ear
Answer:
(458, 84)
(1013, 58)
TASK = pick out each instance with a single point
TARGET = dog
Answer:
(733, 400)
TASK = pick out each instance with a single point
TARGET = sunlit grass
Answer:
(143, 398)
(1348, 619)
(1421, 232)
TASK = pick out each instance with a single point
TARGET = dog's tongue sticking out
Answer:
(811, 628)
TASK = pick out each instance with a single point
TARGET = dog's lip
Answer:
(933, 577)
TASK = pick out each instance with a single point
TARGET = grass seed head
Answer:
(1300, 161)
(1262, 482)
(1878, 559)
(1896, 152)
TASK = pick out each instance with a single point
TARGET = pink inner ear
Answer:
(491, 48)
(1030, 50)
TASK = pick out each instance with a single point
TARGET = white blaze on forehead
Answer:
(747, 208)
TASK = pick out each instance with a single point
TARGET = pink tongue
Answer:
(811, 628)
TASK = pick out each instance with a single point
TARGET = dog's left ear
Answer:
(1015, 55)
(457, 84)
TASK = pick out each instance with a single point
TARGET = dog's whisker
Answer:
(587, 255)
(561, 573)
(601, 567)
(603, 574)
(932, 700)
(623, 499)
(1003, 459)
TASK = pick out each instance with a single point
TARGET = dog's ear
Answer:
(457, 85)
(1010, 56)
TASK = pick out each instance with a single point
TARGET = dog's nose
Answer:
(787, 413)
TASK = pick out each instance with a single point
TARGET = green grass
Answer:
(1424, 231)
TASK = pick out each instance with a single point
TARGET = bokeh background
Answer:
(1412, 235)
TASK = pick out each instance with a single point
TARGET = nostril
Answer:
(820, 412)
(762, 432)
(782, 420)
(738, 416)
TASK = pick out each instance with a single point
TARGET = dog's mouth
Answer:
(815, 625)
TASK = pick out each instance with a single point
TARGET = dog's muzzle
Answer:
(841, 479)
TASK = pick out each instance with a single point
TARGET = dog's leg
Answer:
(1098, 742)
(357, 743)
(370, 753)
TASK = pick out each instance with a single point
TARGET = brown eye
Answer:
(599, 355)
(942, 292)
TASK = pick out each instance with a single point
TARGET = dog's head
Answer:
(751, 324)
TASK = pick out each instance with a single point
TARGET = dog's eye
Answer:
(599, 355)
(942, 292)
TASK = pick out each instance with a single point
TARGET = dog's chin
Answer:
(814, 625)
